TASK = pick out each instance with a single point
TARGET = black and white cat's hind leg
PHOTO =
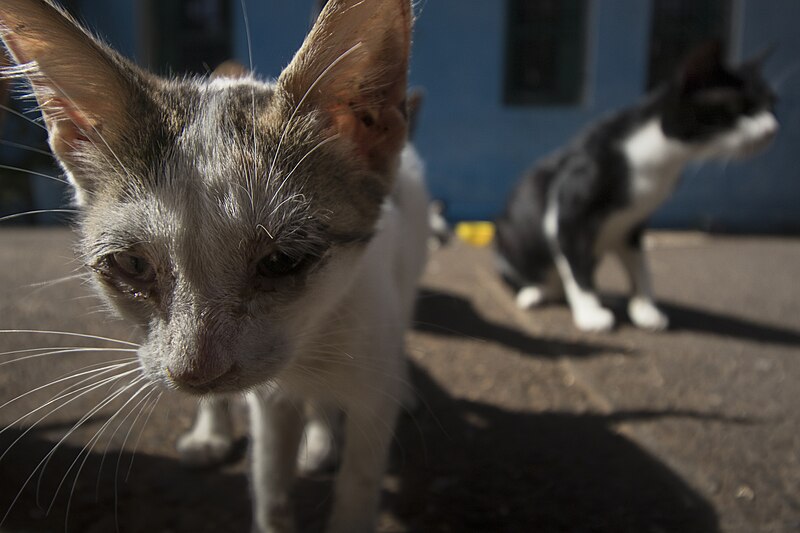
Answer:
(525, 264)
(642, 309)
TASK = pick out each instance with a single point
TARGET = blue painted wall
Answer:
(476, 147)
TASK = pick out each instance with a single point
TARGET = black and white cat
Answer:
(595, 196)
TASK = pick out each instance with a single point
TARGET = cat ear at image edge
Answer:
(75, 79)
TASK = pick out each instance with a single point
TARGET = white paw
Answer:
(318, 450)
(204, 449)
(645, 314)
(593, 319)
(530, 297)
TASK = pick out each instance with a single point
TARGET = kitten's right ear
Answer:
(78, 83)
(353, 67)
(756, 63)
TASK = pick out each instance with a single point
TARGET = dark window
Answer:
(679, 26)
(546, 52)
(189, 35)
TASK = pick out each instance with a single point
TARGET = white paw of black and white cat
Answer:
(593, 318)
(646, 315)
(200, 448)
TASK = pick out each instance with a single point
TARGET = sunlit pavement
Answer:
(523, 424)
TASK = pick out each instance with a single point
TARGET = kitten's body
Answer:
(265, 237)
(594, 197)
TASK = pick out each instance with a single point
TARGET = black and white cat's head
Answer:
(224, 216)
(721, 112)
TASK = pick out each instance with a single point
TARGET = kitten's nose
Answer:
(196, 375)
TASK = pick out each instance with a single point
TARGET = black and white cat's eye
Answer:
(130, 268)
(278, 264)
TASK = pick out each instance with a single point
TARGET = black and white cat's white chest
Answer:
(654, 163)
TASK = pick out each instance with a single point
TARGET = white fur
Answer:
(530, 297)
(750, 136)
(656, 162)
(364, 374)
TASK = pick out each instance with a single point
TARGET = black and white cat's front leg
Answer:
(642, 309)
(573, 248)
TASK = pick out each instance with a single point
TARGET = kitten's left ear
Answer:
(353, 67)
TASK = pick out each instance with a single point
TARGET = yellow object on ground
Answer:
(476, 233)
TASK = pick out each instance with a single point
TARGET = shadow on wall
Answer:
(457, 466)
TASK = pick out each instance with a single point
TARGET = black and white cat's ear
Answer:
(230, 69)
(757, 62)
(353, 67)
(702, 65)
(78, 82)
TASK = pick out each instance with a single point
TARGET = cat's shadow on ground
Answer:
(457, 466)
(697, 320)
(450, 314)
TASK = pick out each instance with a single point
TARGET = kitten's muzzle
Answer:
(199, 379)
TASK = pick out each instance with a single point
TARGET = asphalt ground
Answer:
(523, 425)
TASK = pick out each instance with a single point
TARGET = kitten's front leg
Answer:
(642, 308)
(211, 437)
(276, 425)
(368, 434)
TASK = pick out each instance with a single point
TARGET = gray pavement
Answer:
(524, 424)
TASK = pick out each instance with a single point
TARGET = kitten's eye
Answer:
(133, 268)
(279, 264)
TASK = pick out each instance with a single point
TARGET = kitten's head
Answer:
(724, 112)
(224, 216)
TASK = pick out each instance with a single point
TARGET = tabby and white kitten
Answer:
(594, 196)
(266, 237)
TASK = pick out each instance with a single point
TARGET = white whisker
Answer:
(141, 432)
(23, 116)
(25, 147)
(37, 212)
(69, 334)
(33, 173)
(66, 350)
(97, 371)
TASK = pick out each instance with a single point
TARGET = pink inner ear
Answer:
(72, 124)
(377, 134)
